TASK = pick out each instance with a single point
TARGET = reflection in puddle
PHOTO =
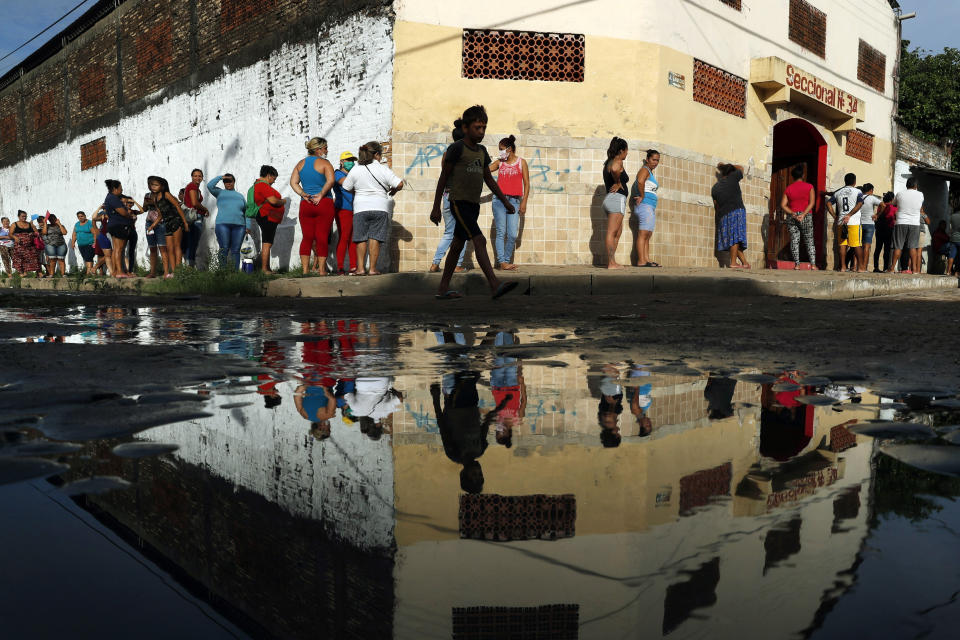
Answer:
(376, 479)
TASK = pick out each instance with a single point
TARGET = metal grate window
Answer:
(719, 89)
(860, 145)
(496, 517)
(808, 27)
(523, 55)
(555, 621)
(93, 153)
(872, 67)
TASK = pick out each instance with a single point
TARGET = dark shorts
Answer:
(268, 229)
(172, 224)
(466, 214)
(867, 232)
(120, 231)
(906, 236)
(86, 252)
(103, 242)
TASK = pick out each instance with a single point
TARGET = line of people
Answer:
(642, 196)
(859, 216)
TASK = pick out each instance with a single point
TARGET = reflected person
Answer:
(316, 404)
(641, 401)
(719, 396)
(610, 407)
(463, 433)
(508, 388)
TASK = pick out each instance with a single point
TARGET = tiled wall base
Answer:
(564, 222)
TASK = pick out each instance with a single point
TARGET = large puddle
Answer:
(347, 478)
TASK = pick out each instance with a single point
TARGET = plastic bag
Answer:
(248, 249)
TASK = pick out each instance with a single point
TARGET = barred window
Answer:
(93, 153)
(872, 67)
(808, 27)
(523, 55)
(719, 89)
(8, 129)
(860, 145)
(555, 621)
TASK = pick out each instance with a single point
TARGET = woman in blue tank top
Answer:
(312, 179)
(645, 189)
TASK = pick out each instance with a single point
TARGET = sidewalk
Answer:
(579, 280)
(573, 280)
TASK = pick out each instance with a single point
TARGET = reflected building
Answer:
(695, 529)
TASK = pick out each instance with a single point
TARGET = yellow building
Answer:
(762, 84)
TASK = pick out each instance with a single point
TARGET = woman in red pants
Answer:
(343, 202)
(312, 179)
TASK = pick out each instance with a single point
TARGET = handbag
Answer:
(38, 242)
(386, 191)
(190, 214)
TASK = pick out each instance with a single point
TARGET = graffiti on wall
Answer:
(543, 177)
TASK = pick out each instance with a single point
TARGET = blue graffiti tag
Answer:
(424, 156)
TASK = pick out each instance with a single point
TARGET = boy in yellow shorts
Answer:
(844, 205)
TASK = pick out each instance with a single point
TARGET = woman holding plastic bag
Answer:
(231, 225)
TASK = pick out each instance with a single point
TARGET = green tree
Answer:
(930, 95)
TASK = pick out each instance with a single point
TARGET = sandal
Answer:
(449, 295)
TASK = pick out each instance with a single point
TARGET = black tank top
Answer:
(166, 208)
(608, 179)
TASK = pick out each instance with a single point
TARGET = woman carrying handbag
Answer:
(373, 186)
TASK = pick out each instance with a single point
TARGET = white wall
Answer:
(345, 481)
(338, 86)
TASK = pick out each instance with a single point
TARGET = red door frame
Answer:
(796, 139)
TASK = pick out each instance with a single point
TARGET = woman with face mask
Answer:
(343, 203)
(513, 176)
(312, 179)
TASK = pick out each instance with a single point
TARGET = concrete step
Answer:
(575, 280)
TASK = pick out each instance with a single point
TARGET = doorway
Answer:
(796, 141)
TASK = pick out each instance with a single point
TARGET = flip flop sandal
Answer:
(449, 295)
(504, 289)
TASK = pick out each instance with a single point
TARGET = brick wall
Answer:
(155, 46)
(11, 136)
(135, 79)
(916, 151)
(43, 106)
(229, 25)
(91, 70)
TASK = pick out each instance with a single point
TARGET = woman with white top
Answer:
(373, 186)
(645, 196)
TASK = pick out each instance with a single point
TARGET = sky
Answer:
(933, 29)
(935, 26)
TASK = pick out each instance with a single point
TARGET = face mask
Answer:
(504, 154)
(323, 155)
(348, 165)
